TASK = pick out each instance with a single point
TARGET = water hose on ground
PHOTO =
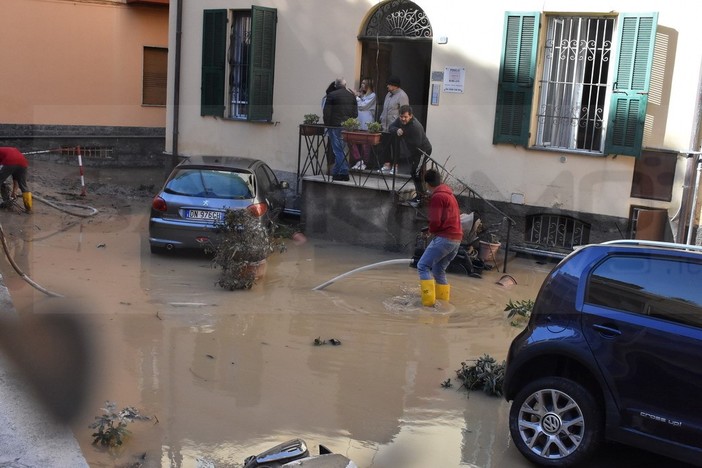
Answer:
(92, 211)
(19, 271)
(363, 268)
(6, 249)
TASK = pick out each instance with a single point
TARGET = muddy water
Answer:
(227, 374)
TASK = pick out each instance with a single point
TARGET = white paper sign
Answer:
(454, 79)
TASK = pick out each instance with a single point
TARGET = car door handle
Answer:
(607, 330)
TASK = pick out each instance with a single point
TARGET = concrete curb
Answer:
(28, 435)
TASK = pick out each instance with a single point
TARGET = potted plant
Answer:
(242, 252)
(489, 245)
(310, 125)
(375, 127)
(353, 136)
(351, 124)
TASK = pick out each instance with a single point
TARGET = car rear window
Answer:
(658, 287)
(211, 183)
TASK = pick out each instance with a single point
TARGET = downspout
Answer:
(687, 208)
(176, 83)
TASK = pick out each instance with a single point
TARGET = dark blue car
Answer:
(612, 351)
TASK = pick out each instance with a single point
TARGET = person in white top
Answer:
(366, 101)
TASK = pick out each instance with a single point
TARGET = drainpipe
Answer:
(687, 207)
(176, 82)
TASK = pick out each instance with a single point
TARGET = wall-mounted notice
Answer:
(454, 79)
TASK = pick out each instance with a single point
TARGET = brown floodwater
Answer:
(227, 374)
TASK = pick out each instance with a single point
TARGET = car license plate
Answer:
(203, 214)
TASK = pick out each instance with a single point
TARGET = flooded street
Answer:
(227, 374)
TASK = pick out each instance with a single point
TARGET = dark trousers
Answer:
(417, 162)
(19, 174)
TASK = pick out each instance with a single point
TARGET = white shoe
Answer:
(357, 166)
(361, 166)
(387, 170)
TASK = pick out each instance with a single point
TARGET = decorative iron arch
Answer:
(398, 18)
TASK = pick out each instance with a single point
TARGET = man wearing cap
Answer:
(395, 98)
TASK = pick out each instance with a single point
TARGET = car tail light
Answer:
(159, 204)
(258, 209)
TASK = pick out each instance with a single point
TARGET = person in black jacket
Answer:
(415, 144)
(339, 106)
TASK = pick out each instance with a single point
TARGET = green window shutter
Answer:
(214, 48)
(262, 61)
(515, 88)
(627, 113)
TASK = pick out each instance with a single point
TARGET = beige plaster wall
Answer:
(77, 62)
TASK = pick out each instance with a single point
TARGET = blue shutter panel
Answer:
(637, 36)
(214, 43)
(515, 88)
(263, 30)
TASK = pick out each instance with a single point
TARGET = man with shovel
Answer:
(13, 163)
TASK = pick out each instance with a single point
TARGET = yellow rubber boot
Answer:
(27, 198)
(443, 292)
(428, 292)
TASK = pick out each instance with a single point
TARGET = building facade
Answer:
(588, 114)
(84, 72)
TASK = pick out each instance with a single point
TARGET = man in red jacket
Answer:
(13, 163)
(445, 226)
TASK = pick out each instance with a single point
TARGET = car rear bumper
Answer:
(170, 234)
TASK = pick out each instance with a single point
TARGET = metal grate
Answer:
(96, 152)
(556, 231)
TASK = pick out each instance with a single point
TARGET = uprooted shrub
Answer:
(486, 374)
(111, 426)
(244, 243)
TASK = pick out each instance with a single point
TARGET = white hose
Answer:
(93, 211)
(363, 268)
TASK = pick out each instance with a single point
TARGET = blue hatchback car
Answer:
(612, 351)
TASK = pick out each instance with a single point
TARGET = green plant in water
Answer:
(244, 244)
(112, 425)
(519, 310)
(485, 373)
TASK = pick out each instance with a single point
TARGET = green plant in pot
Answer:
(375, 127)
(310, 119)
(351, 124)
(244, 247)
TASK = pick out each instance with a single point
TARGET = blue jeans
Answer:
(436, 259)
(341, 167)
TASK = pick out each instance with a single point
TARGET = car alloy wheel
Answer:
(555, 422)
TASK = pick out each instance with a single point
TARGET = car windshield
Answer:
(211, 183)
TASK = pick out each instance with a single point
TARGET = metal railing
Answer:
(314, 157)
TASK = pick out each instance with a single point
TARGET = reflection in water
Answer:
(231, 373)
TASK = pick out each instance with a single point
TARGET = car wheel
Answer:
(555, 422)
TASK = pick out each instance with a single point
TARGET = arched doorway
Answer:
(397, 40)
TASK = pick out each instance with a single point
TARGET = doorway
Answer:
(397, 40)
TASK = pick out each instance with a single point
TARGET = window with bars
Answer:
(238, 62)
(239, 44)
(574, 83)
(593, 80)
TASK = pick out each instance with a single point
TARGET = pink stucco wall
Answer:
(77, 62)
